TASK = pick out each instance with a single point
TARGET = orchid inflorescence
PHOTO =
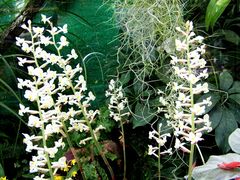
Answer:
(60, 94)
(118, 102)
(183, 114)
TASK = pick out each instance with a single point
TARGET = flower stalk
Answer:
(117, 106)
(183, 115)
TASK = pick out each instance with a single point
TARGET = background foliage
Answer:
(129, 39)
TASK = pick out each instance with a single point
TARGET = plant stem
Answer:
(159, 156)
(200, 154)
(92, 132)
(124, 153)
(99, 149)
(214, 72)
(41, 117)
(71, 149)
(43, 138)
(87, 120)
(192, 115)
(191, 162)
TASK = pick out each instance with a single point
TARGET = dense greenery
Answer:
(132, 42)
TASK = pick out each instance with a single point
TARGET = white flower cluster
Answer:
(183, 114)
(117, 102)
(160, 139)
(59, 95)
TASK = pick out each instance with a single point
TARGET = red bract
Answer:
(229, 166)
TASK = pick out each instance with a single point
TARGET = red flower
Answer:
(230, 166)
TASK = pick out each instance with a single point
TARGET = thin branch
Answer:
(8, 35)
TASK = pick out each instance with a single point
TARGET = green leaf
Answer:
(143, 115)
(235, 97)
(13, 112)
(100, 170)
(111, 156)
(215, 116)
(162, 74)
(72, 171)
(2, 174)
(225, 80)
(234, 142)
(214, 11)
(227, 125)
(235, 88)
(90, 171)
(236, 109)
(211, 170)
(231, 36)
(215, 98)
(125, 78)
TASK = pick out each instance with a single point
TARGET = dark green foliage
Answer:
(223, 114)
(100, 170)
(2, 174)
(9, 9)
(142, 116)
(90, 171)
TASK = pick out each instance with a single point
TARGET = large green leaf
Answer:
(142, 116)
(211, 171)
(215, 116)
(234, 142)
(226, 126)
(235, 97)
(1, 171)
(231, 36)
(215, 98)
(214, 11)
(236, 109)
(235, 88)
(225, 80)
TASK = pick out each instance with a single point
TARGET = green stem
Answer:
(71, 149)
(203, 161)
(159, 156)
(41, 117)
(124, 153)
(43, 139)
(99, 147)
(88, 122)
(190, 166)
(192, 116)
(215, 74)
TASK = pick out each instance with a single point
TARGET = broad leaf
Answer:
(236, 109)
(143, 115)
(225, 80)
(226, 126)
(231, 36)
(235, 97)
(215, 98)
(1, 171)
(214, 11)
(125, 78)
(211, 170)
(234, 142)
(215, 116)
(235, 88)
